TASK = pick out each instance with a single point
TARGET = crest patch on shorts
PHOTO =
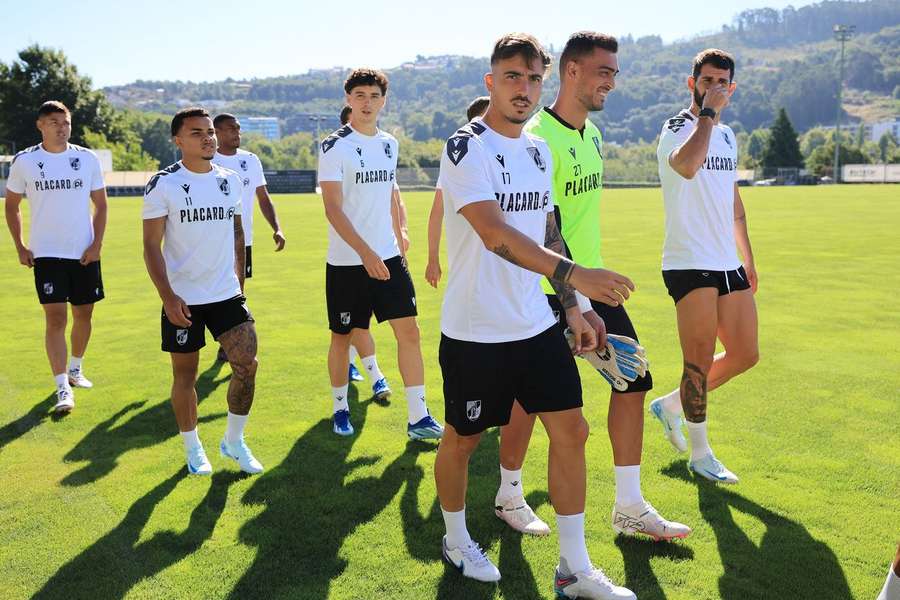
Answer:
(473, 409)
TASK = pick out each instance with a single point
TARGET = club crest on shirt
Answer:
(48, 288)
(243, 164)
(75, 163)
(181, 336)
(538, 159)
(387, 150)
(599, 145)
(473, 409)
(223, 185)
(457, 148)
(675, 124)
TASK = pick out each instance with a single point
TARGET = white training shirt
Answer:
(247, 166)
(699, 211)
(366, 166)
(489, 299)
(58, 187)
(198, 246)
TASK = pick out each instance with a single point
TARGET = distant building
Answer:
(876, 130)
(268, 127)
(314, 123)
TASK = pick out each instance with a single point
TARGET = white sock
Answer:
(891, 589)
(371, 366)
(572, 547)
(672, 402)
(75, 363)
(510, 484)
(62, 380)
(340, 398)
(455, 522)
(699, 442)
(353, 353)
(415, 403)
(628, 485)
(190, 438)
(234, 428)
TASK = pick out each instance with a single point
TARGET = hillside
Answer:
(785, 58)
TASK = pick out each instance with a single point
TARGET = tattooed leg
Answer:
(240, 346)
(697, 323)
(693, 393)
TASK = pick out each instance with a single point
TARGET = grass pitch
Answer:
(97, 505)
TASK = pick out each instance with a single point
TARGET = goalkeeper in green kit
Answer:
(588, 67)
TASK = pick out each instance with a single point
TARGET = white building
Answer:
(876, 130)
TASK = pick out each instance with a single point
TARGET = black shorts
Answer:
(481, 381)
(681, 282)
(617, 322)
(218, 317)
(352, 296)
(248, 262)
(67, 280)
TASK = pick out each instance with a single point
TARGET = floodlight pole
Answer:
(842, 33)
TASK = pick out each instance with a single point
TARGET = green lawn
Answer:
(97, 505)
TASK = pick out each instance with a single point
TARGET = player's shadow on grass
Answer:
(637, 553)
(788, 563)
(116, 562)
(108, 441)
(423, 535)
(34, 417)
(310, 504)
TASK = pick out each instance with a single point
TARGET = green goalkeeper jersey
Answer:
(577, 174)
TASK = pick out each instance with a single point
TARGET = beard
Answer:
(587, 101)
(698, 98)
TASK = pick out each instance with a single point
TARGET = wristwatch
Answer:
(708, 112)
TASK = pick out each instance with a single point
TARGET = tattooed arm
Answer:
(240, 251)
(512, 245)
(553, 240)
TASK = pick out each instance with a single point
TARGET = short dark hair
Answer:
(186, 113)
(582, 43)
(52, 106)
(520, 44)
(360, 77)
(221, 119)
(345, 115)
(715, 57)
(477, 107)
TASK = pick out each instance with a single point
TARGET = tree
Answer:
(822, 158)
(127, 156)
(43, 74)
(782, 149)
(756, 145)
(153, 133)
(887, 147)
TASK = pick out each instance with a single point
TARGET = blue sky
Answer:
(119, 42)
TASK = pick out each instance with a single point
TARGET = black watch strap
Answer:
(708, 112)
